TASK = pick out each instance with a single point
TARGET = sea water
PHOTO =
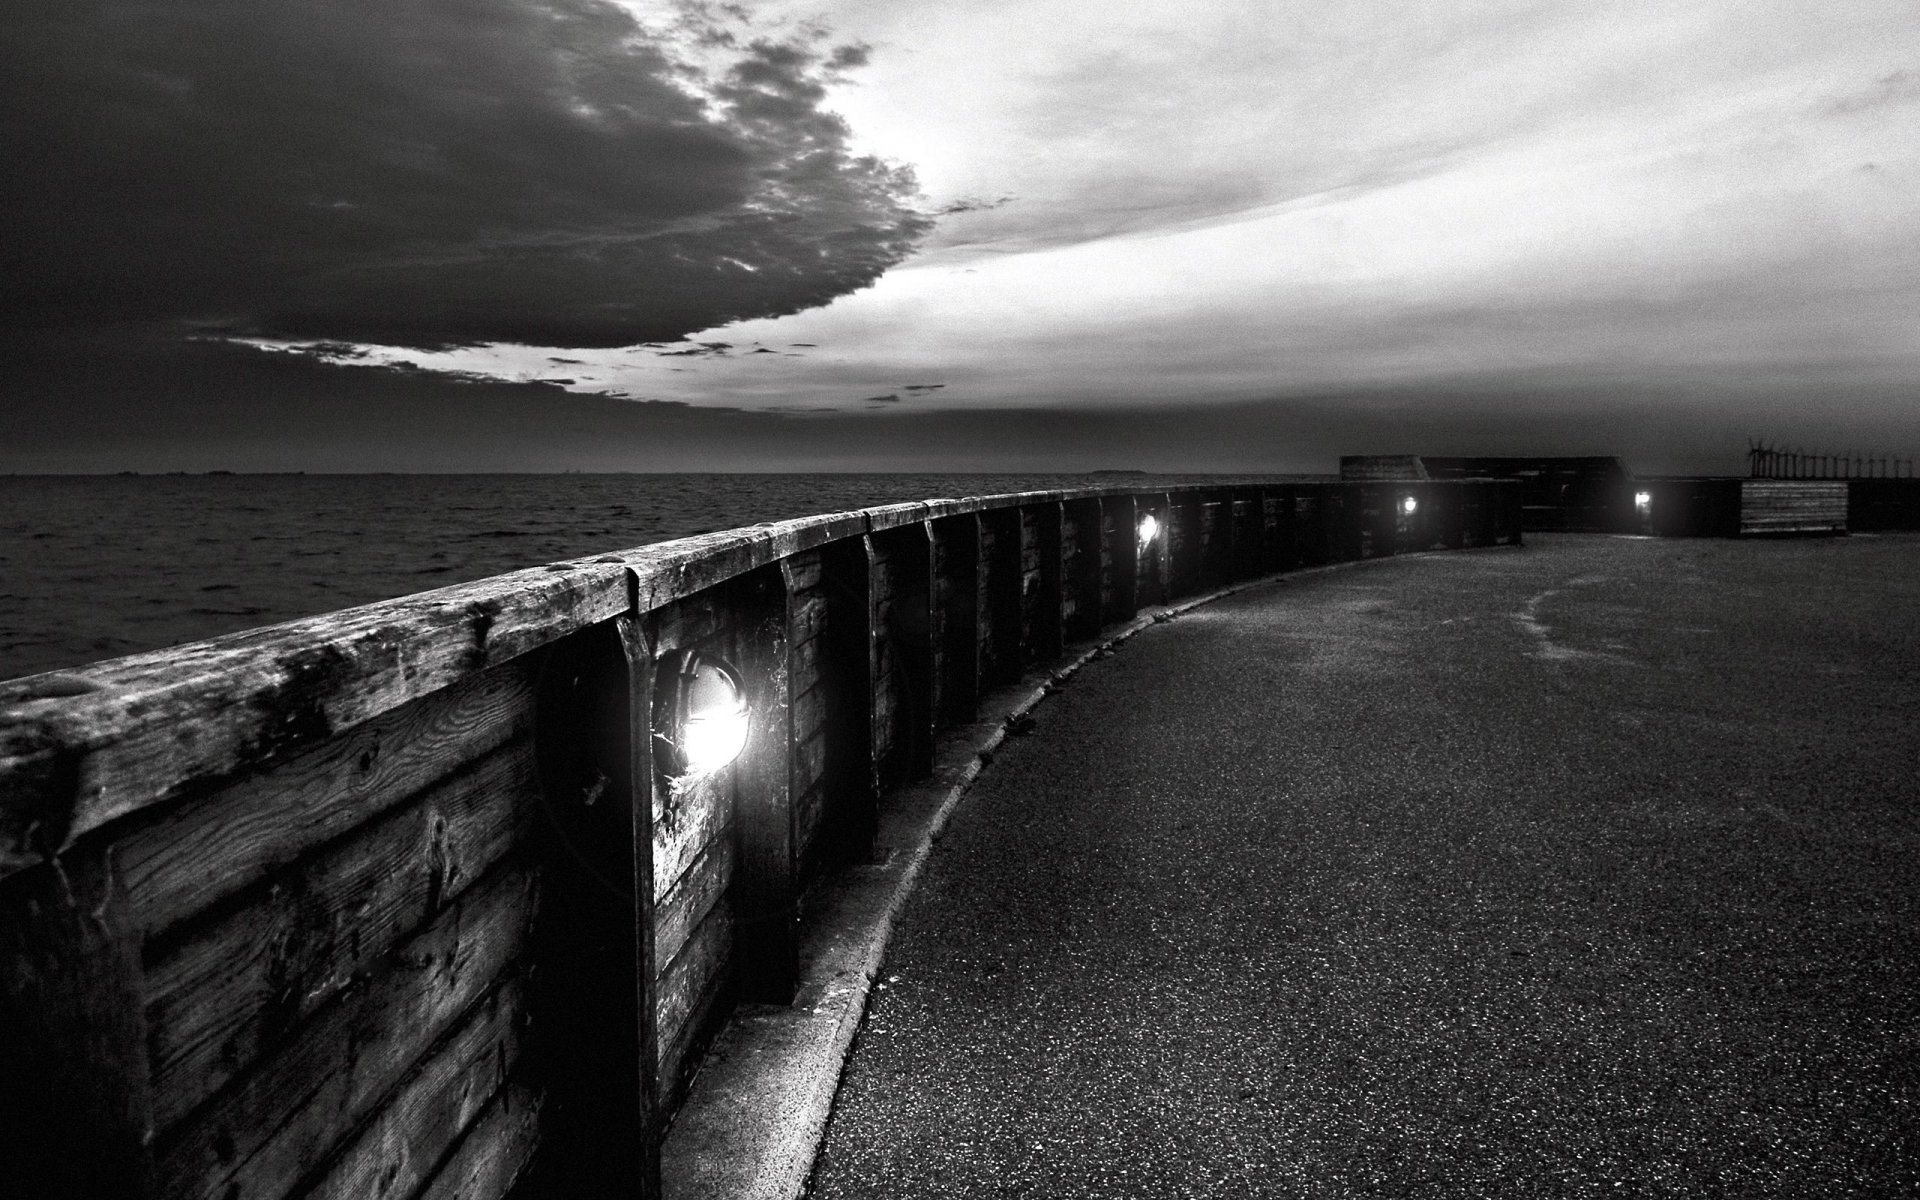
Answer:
(96, 566)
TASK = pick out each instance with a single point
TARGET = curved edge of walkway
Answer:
(756, 1114)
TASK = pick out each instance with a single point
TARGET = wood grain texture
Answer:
(698, 814)
(212, 847)
(694, 988)
(126, 734)
(396, 1151)
(494, 1153)
(280, 1121)
(229, 988)
(679, 913)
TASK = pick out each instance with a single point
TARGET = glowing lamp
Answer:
(1408, 505)
(699, 714)
(1149, 529)
(1643, 501)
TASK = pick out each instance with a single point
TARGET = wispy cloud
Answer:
(1897, 87)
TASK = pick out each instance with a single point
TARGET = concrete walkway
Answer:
(1591, 869)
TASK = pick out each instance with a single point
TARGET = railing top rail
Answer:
(83, 747)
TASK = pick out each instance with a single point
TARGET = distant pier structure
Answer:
(1789, 494)
(1591, 493)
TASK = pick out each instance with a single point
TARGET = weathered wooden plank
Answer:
(668, 571)
(397, 1149)
(692, 621)
(804, 571)
(211, 847)
(695, 985)
(75, 1102)
(699, 813)
(278, 1122)
(494, 1153)
(687, 903)
(810, 758)
(812, 665)
(80, 748)
(809, 713)
(809, 815)
(809, 617)
(228, 988)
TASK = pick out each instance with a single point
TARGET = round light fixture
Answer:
(1149, 529)
(1643, 501)
(1409, 505)
(699, 714)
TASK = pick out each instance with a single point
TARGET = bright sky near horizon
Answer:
(1160, 205)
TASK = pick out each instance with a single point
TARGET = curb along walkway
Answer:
(1587, 870)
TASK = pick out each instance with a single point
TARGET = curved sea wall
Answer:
(396, 901)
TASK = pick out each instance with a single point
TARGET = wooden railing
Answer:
(392, 902)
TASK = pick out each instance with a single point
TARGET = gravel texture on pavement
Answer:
(1589, 869)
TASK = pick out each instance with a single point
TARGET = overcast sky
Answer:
(896, 234)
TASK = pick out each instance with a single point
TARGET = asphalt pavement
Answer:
(1588, 869)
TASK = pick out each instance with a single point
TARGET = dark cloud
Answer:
(698, 350)
(923, 387)
(804, 345)
(570, 362)
(888, 399)
(967, 204)
(423, 174)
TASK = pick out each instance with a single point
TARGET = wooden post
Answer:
(849, 649)
(1120, 514)
(766, 895)
(1348, 521)
(903, 709)
(1249, 534)
(1278, 504)
(74, 1088)
(1226, 550)
(1163, 549)
(1000, 595)
(1081, 572)
(592, 1010)
(639, 659)
(956, 617)
(1043, 623)
(1183, 543)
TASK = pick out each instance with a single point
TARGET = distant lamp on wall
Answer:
(1149, 530)
(699, 714)
(1408, 506)
(1643, 502)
